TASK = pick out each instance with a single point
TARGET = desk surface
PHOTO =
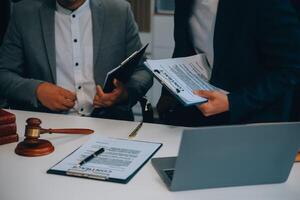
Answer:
(26, 179)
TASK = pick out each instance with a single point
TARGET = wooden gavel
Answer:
(33, 129)
(32, 146)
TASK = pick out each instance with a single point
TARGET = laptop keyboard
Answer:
(170, 173)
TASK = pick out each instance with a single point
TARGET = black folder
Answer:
(124, 71)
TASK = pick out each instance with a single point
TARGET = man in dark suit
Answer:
(254, 51)
(296, 4)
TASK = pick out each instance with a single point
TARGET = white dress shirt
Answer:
(74, 55)
(202, 25)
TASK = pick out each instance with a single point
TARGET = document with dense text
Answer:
(119, 162)
(182, 76)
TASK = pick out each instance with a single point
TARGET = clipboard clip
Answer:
(86, 173)
(178, 90)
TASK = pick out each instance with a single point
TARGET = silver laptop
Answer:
(231, 156)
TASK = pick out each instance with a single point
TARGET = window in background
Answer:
(164, 6)
(142, 13)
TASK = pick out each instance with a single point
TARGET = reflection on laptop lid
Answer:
(231, 156)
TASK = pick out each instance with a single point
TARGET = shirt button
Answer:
(75, 40)
(81, 109)
(73, 16)
(76, 64)
(79, 87)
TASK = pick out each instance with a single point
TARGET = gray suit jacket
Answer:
(27, 56)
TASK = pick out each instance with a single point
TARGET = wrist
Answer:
(39, 90)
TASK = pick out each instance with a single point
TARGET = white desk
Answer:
(26, 179)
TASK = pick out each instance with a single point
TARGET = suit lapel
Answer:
(98, 16)
(47, 12)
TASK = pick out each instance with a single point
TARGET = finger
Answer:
(99, 90)
(100, 104)
(116, 93)
(68, 94)
(110, 96)
(119, 89)
(108, 103)
(96, 106)
(118, 84)
(204, 93)
(60, 107)
(65, 102)
(68, 103)
(205, 109)
(96, 98)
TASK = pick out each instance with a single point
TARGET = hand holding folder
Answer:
(125, 70)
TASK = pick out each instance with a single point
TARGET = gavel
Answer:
(33, 129)
(32, 146)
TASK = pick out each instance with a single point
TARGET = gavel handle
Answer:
(68, 131)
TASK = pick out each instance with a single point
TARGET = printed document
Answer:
(121, 158)
(182, 76)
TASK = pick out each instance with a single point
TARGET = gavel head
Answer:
(33, 128)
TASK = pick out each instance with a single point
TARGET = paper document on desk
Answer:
(182, 76)
(119, 162)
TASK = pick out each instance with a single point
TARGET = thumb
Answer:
(118, 84)
(204, 93)
(99, 90)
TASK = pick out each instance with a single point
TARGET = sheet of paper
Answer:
(120, 159)
(183, 76)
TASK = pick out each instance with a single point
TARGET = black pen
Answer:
(87, 159)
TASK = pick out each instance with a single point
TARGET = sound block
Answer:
(34, 149)
(6, 139)
(298, 157)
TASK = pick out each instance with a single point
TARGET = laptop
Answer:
(227, 156)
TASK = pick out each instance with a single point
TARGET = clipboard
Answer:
(181, 76)
(175, 92)
(102, 173)
(124, 71)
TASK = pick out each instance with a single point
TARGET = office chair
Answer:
(147, 110)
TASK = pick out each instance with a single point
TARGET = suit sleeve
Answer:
(278, 39)
(13, 85)
(141, 80)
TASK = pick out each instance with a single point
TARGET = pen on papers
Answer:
(90, 157)
(135, 131)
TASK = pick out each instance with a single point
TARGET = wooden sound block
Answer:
(6, 117)
(6, 139)
(298, 157)
(34, 149)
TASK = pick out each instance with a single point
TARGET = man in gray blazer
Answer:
(56, 55)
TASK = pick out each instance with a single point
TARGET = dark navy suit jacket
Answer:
(4, 17)
(256, 59)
